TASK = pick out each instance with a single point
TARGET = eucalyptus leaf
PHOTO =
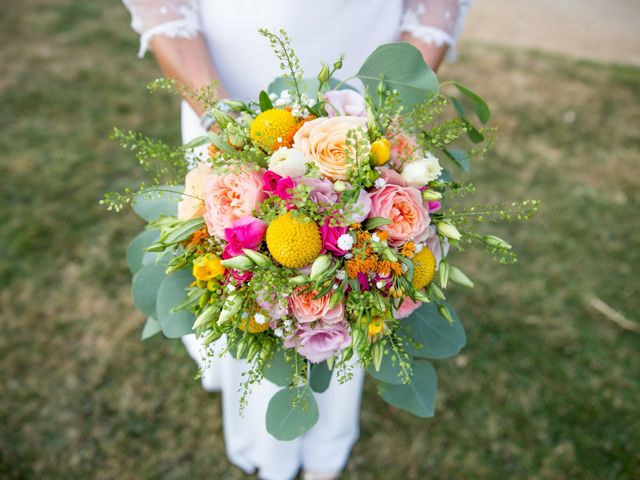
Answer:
(136, 250)
(390, 370)
(151, 327)
(172, 292)
(401, 67)
(291, 412)
(459, 157)
(437, 337)
(482, 109)
(320, 377)
(153, 204)
(277, 370)
(418, 396)
(144, 289)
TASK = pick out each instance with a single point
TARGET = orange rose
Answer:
(323, 139)
(192, 206)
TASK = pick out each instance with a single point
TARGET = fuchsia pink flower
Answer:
(246, 232)
(330, 235)
(275, 184)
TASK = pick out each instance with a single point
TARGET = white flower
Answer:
(345, 242)
(289, 162)
(259, 318)
(418, 248)
(283, 99)
(278, 332)
(341, 274)
(420, 172)
(231, 287)
(375, 237)
(380, 284)
(287, 324)
(380, 182)
(348, 256)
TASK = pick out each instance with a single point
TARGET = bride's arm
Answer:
(171, 28)
(433, 26)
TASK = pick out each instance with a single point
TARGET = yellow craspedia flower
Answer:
(424, 270)
(294, 241)
(380, 151)
(271, 126)
(207, 267)
(254, 327)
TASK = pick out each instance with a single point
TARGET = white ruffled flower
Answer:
(289, 162)
(279, 332)
(345, 242)
(341, 275)
(420, 172)
(380, 182)
(259, 318)
(375, 237)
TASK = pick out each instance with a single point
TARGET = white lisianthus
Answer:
(289, 162)
(345, 242)
(420, 172)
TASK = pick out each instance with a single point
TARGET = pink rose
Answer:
(306, 308)
(320, 342)
(345, 102)
(358, 211)
(403, 206)
(406, 308)
(391, 176)
(322, 191)
(270, 181)
(330, 235)
(246, 232)
(192, 206)
(229, 197)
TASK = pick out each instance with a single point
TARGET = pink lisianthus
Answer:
(229, 197)
(403, 207)
(345, 102)
(276, 306)
(391, 177)
(359, 210)
(306, 308)
(406, 308)
(322, 191)
(330, 235)
(246, 232)
(320, 342)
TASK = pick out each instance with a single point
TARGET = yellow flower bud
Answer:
(380, 151)
(207, 267)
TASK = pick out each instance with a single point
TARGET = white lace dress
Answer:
(320, 30)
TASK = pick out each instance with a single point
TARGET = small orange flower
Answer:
(408, 249)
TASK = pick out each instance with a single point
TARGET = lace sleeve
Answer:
(173, 18)
(437, 22)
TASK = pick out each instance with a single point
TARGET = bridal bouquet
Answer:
(316, 232)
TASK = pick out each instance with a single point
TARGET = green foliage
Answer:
(265, 101)
(429, 335)
(291, 413)
(278, 370)
(136, 252)
(418, 396)
(320, 377)
(170, 293)
(157, 202)
(151, 328)
(144, 288)
(400, 67)
(482, 109)
(289, 61)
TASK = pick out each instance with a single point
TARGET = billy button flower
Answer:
(294, 241)
(270, 127)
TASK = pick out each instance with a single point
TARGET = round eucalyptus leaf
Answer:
(401, 67)
(390, 370)
(291, 412)
(151, 327)
(172, 292)
(136, 255)
(144, 288)
(320, 377)
(277, 370)
(418, 396)
(151, 205)
(435, 336)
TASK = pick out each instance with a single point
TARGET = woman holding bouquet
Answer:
(201, 41)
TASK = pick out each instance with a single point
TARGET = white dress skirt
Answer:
(320, 31)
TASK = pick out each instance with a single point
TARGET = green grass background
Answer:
(547, 387)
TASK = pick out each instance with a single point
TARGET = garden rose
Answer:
(246, 232)
(320, 342)
(403, 206)
(322, 191)
(323, 139)
(289, 162)
(345, 102)
(391, 176)
(192, 206)
(420, 172)
(229, 197)
(306, 308)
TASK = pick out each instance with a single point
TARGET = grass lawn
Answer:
(547, 387)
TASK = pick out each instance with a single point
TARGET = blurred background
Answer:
(547, 387)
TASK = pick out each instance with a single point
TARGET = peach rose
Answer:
(307, 309)
(229, 197)
(403, 206)
(323, 139)
(193, 206)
